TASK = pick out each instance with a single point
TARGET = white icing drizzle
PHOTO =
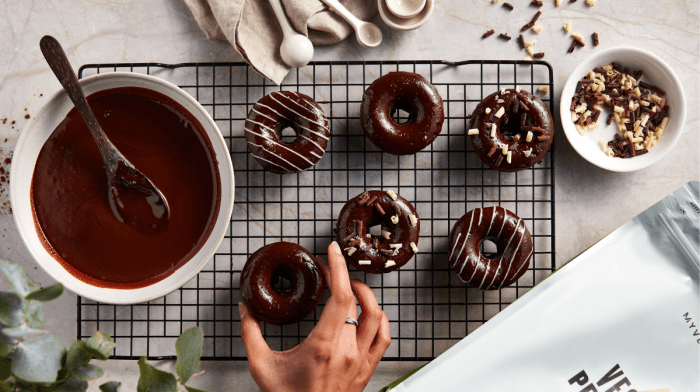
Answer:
(274, 155)
(297, 113)
(315, 144)
(279, 144)
(515, 252)
(313, 111)
(279, 114)
(452, 252)
(523, 264)
(466, 237)
(488, 267)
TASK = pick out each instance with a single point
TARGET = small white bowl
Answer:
(32, 139)
(657, 73)
(405, 8)
(398, 23)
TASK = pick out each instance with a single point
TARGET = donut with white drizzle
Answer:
(277, 111)
(400, 227)
(513, 242)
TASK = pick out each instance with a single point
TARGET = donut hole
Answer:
(287, 132)
(489, 248)
(510, 126)
(401, 113)
(281, 280)
(375, 231)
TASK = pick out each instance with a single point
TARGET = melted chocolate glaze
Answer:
(409, 92)
(69, 190)
(361, 213)
(279, 110)
(281, 260)
(512, 240)
(508, 126)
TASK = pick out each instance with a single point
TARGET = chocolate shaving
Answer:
(523, 120)
(505, 36)
(386, 252)
(516, 105)
(346, 239)
(513, 146)
(498, 161)
(542, 138)
(532, 22)
(375, 242)
(492, 150)
(379, 209)
(359, 228)
(355, 242)
(371, 201)
(525, 107)
(509, 6)
(596, 42)
(363, 198)
(539, 130)
(488, 33)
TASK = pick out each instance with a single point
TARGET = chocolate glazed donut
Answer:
(271, 264)
(512, 240)
(399, 231)
(511, 130)
(277, 111)
(411, 93)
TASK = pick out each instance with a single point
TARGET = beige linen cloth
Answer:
(253, 30)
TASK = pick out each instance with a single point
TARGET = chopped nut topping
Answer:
(501, 111)
(487, 111)
(504, 149)
(537, 29)
(396, 246)
(508, 156)
(527, 153)
(392, 194)
(591, 3)
(527, 58)
(351, 250)
(567, 26)
(473, 132)
(389, 263)
(557, 3)
(517, 89)
(414, 248)
(413, 220)
(493, 131)
(364, 262)
(543, 89)
(503, 91)
(394, 219)
(386, 234)
(577, 35)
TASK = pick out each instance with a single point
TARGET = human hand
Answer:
(336, 356)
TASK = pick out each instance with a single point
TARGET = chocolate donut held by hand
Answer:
(399, 224)
(512, 240)
(266, 268)
(408, 92)
(277, 111)
(511, 130)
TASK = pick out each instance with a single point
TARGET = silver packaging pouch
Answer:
(622, 316)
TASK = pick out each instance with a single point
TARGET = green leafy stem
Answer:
(32, 359)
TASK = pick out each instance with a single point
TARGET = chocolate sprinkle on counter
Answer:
(521, 41)
(532, 22)
(596, 42)
(488, 33)
(538, 55)
(505, 36)
(509, 6)
(536, 2)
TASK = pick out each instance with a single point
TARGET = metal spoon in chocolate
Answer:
(133, 197)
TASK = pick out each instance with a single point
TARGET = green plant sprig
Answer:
(32, 359)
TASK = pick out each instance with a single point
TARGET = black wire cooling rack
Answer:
(428, 307)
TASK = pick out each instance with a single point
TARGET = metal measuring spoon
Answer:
(368, 34)
(296, 49)
(132, 196)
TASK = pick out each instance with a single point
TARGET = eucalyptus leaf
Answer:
(39, 359)
(112, 386)
(16, 277)
(154, 380)
(70, 386)
(190, 389)
(189, 350)
(7, 344)
(86, 373)
(10, 308)
(78, 356)
(102, 345)
(21, 331)
(34, 314)
(47, 293)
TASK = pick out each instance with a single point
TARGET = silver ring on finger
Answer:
(351, 320)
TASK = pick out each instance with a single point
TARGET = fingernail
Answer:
(241, 309)
(336, 247)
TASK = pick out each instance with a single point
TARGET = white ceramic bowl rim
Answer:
(676, 119)
(36, 132)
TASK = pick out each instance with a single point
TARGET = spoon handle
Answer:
(282, 17)
(342, 11)
(56, 57)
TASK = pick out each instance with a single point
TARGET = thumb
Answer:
(253, 341)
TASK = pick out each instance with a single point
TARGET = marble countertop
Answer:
(590, 202)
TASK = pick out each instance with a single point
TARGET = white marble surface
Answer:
(590, 202)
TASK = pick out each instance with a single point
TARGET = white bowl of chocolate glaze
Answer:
(27, 150)
(656, 73)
